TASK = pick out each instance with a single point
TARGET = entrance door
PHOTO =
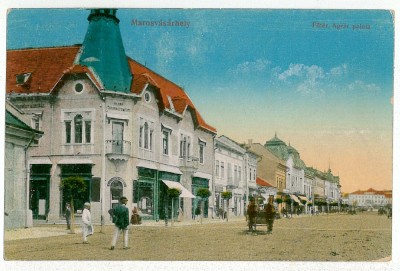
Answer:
(117, 192)
(39, 198)
(118, 137)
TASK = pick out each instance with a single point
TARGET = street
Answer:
(333, 237)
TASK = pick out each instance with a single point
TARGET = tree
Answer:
(73, 187)
(204, 194)
(173, 193)
(227, 196)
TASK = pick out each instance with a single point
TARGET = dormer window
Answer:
(23, 78)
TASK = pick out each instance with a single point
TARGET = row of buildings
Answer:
(91, 111)
(370, 198)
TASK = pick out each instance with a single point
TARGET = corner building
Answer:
(122, 127)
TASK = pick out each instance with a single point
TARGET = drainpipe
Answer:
(213, 178)
(27, 180)
(103, 170)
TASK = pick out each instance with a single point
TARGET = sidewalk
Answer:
(48, 230)
(42, 229)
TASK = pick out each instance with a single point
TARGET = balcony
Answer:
(118, 150)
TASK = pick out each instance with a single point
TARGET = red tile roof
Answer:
(262, 182)
(48, 65)
(167, 88)
(386, 193)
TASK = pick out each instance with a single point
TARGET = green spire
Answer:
(103, 51)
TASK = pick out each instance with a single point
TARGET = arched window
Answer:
(78, 128)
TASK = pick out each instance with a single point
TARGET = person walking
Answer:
(270, 214)
(68, 215)
(87, 226)
(121, 221)
(284, 213)
(251, 213)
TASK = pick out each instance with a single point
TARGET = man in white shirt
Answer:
(87, 227)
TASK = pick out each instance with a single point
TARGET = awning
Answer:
(145, 164)
(40, 161)
(296, 200)
(184, 192)
(202, 175)
(304, 198)
(71, 161)
(170, 169)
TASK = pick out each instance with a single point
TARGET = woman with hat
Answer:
(87, 226)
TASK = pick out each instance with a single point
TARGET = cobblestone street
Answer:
(362, 237)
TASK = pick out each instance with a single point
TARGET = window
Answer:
(217, 168)
(77, 129)
(147, 97)
(201, 151)
(146, 133)
(239, 173)
(165, 142)
(250, 172)
(229, 172)
(184, 146)
(222, 169)
(23, 78)
(117, 137)
(68, 131)
(78, 87)
(146, 137)
(36, 125)
(88, 128)
(140, 136)
(235, 177)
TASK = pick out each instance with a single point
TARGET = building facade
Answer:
(235, 171)
(19, 137)
(305, 185)
(370, 198)
(269, 167)
(125, 129)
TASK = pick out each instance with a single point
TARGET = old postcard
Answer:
(248, 137)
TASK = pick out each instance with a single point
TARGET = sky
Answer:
(322, 80)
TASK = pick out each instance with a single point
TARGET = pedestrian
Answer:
(135, 217)
(121, 222)
(68, 215)
(251, 213)
(180, 215)
(87, 226)
(269, 210)
(284, 214)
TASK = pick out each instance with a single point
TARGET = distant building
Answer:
(370, 198)
(235, 171)
(266, 189)
(295, 166)
(304, 184)
(19, 137)
(125, 129)
(269, 167)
